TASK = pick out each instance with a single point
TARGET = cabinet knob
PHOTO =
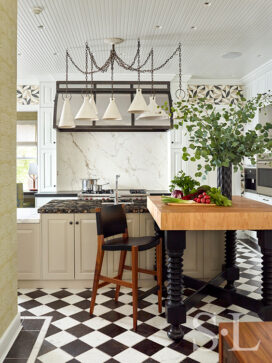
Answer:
(77, 222)
(71, 222)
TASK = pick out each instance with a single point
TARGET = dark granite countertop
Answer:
(86, 206)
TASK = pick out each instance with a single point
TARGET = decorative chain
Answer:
(152, 72)
(66, 70)
(139, 53)
(112, 68)
(86, 67)
(180, 74)
(114, 57)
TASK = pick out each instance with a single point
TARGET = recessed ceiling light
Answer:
(41, 27)
(232, 55)
(37, 10)
(158, 27)
(207, 3)
(193, 27)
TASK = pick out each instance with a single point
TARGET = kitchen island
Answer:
(244, 214)
(68, 240)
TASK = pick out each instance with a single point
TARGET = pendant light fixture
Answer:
(66, 117)
(112, 112)
(153, 111)
(86, 111)
(138, 104)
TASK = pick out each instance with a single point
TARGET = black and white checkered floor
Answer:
(64, 332)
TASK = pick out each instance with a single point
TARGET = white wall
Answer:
(140, 158)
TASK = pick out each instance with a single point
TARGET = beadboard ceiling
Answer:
(226, 26)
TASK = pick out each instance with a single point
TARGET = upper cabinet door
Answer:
(47, 94)
(47, 135)
(176, 138)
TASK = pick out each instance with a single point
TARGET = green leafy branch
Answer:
(221, 138)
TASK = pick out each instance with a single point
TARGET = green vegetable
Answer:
(204, 187)
(167, 199)
(184, 182)
(218, 198)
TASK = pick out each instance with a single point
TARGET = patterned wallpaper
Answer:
(217, 94)
(28, 95)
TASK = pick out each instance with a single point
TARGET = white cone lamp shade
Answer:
(138, 104)
(112, 112)
(153, 112)
(66, 117)
(93, 105)
(86, 111)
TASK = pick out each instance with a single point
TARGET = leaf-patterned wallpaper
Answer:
(217, 94)
(28, 95)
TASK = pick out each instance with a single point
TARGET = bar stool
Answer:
(111, 221)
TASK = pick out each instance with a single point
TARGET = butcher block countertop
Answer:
(244, 214)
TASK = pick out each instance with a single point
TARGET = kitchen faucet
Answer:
(116, 189)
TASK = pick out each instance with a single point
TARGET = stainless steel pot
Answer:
(100, 187)
(89, 185)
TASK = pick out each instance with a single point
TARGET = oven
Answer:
(264, 175)
(250, 180)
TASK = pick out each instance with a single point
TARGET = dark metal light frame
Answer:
(61, 89)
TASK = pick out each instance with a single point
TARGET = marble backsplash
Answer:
(140, 158)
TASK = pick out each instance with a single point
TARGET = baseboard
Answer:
(71, 284)
(9, 336)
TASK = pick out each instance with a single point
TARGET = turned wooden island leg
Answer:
(232, 271)
(265, 242)
(160, 234)
(175, 242)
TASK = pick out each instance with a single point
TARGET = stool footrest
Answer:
(114, 280)
(142, 270)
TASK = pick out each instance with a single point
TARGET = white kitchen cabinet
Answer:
(193, 254)
(176, 138)
(47, 170)
(176, 161)
(213, 253)
(86, 247)
(29, 251)
(46, 139)
(58, 246)
(47, 94)
(147, 258)
(47, 134)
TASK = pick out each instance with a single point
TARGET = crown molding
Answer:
(215, 81)
(258, 72)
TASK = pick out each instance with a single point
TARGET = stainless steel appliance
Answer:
(107, 196)
(264, 175)
(250, 179)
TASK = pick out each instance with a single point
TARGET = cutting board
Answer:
(192, 204)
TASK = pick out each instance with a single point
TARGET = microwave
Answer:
(264, 175)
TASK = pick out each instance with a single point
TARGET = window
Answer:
(26, 146)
